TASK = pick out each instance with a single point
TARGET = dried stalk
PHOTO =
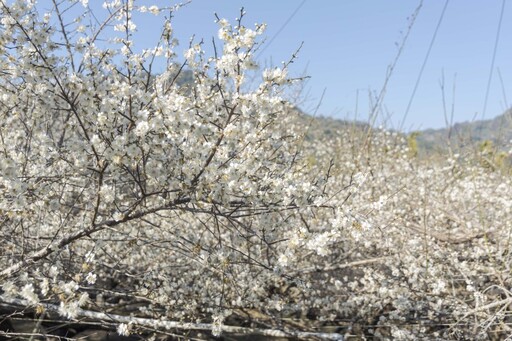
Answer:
(169, 325)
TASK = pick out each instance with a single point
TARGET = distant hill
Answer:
(491, 139)
(497, 130)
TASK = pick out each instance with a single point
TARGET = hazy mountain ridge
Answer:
(497, 130)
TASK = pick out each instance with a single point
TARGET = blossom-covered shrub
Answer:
(119, 184)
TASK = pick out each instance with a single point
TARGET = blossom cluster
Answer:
(109, 170)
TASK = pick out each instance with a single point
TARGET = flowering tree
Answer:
(120, 186)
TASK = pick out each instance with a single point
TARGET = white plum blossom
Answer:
(320, 244)
(276, 75)
(284, 259)
(91, 278)
(142, 128)
(123, 329)
(69, 309)
(217, 325)
(27, 292)
(154, 10)
(45, 286)
(69, 288)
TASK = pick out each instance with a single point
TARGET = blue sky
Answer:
(349, 44)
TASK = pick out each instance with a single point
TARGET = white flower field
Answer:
(161, 209)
